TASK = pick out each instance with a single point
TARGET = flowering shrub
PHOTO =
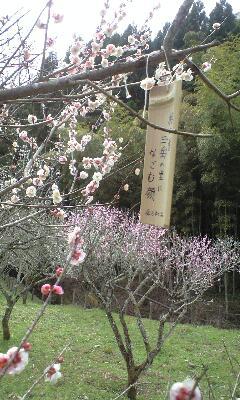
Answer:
(123, 253)
(29, 251)
(118, 244)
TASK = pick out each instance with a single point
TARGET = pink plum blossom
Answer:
(57, 18)
(59, 271)
(62, 159)
(3, 361)
(46, 289)
(56, 289)
(78, 256)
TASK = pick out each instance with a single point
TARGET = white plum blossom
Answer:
(109, 31)
(75, 49)
(109, 146)
(83, 175)
(20, 360)
(14, 198)
(178, 69)
(147, 83)
(93, 104)
(86, 138)
(182, 391)
(161, 70)
(106, 115)
(43, 173)
(95, 47)
(104, 62)
(216, 26)
(31, 191)
(131, 39)
(163, 75)
(87, 162)
(23, 135)
(126, 187)
(32, 119)
(97, 177)
(15, 145)
(118, 51)
(187, 75)
(89, 200)
(137, 171)
(53, 374)
(56, 197)
(206, 66)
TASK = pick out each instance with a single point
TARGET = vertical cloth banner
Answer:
(160, 155)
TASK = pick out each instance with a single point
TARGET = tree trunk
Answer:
(24, 297)
(233, 284)
(226, 294)
(132, 393)
(5, 320)
(132, 379)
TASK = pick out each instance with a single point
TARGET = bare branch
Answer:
(24, 40)
(96, 75)
(137, 115)
(27, 217)
(29, 391)
(14, 185)
(176, 24)
(45, 40)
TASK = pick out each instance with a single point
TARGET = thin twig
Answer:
(29, 391)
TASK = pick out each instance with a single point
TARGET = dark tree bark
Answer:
(6, 318)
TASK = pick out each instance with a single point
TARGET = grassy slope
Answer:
(93, 366)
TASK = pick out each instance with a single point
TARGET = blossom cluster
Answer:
(193, 262)
(164, 76)
(76, 242)
(46, 289)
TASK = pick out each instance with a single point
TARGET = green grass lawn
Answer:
(93, 367)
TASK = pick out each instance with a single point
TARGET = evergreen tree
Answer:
(196, 21)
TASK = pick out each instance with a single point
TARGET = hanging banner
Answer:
(160, 155)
